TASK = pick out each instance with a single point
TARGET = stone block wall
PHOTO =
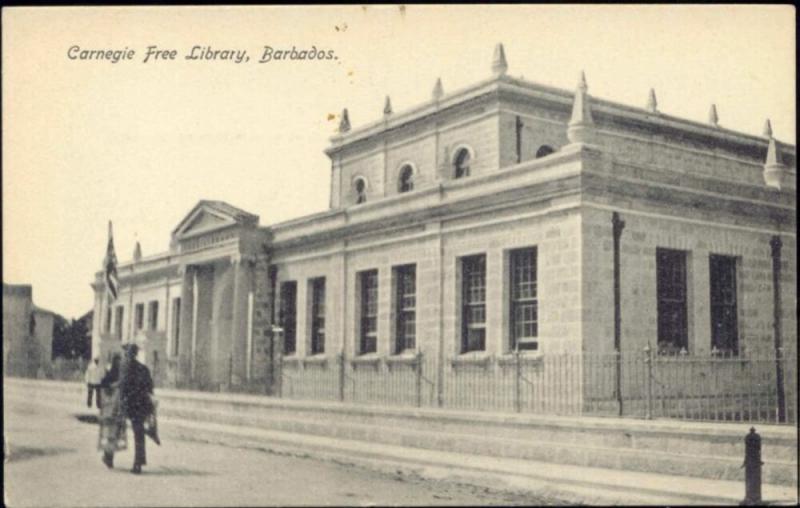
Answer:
(640, 238)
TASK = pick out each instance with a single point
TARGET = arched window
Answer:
(406, 181)
(360, 186)
(544, 150)
(461, 163)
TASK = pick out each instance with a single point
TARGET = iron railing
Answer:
(643, 384)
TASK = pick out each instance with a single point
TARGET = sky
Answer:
(139, 143)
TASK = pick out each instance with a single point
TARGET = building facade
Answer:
(27, 334)
(470, 228)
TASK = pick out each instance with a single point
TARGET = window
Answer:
(406, 282)
(139, 316)
(406, 183)
(176, 324)
(724, 325)
(152, 315)
(120, 313)
(318, 316)
(461, 163)
(543, 151)
(288, 316)
(369, 311)
(524, 303)
(473, 312)
(360, 186)
(671, 289)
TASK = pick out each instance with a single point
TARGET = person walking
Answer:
(94, 374)
(136, 390)
(113, 428)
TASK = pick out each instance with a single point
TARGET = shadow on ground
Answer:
(84, 418)
(19, 453)
(174, 471)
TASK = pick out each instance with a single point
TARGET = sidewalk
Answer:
(572, 484)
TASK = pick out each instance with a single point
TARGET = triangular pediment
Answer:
(209, 216)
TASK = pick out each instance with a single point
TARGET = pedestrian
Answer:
(94, 374)
(113, 428)
(136, 390)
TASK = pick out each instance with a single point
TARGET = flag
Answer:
(112, 282)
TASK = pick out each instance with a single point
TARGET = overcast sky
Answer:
(138, 143)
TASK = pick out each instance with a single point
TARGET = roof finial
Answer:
(344, 123)
(581, 124)
(652, 103)
(582, 86)
(499, 64)
(774, 170)
(438, 90)
(713, 118)
(137, 252)
(767, 129)
(387, 106)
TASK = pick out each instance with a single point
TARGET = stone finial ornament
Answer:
(652, 103)
(774, 170)
(438, 89)
(713, 117)
(137, 252)
(581, 124)
(344, 123)
(767, 129)
(387, 106)
(499, 63)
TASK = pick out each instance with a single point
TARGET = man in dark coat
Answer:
(135, 391)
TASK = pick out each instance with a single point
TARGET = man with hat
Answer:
(135, 392)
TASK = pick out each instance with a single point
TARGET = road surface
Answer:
(51, 460)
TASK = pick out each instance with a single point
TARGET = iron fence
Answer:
(643, 384)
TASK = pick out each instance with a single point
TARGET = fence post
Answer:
(617, 225)
(419, 378)
(280, 376)
(775, 245)
(341, 375)
(648, 360)
(518, 369)
(230, 372)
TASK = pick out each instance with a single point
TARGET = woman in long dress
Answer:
(113, 428)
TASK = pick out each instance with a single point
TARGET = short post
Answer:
(341, 375)
(752, 469)
(518, 377)
(648, 360)
(418, 366)
(276, 372)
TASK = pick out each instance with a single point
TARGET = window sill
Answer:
(318, 359)
(472, 358)
(292, 358)
(366, 358)
(406, 357)
(527, 357)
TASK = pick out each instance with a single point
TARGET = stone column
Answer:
(238, 321)
(185, 337)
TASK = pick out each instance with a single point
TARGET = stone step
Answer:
(571, 484)
(691, 438)
(686, 448)
(501, 445)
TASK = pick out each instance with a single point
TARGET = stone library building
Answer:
(505, 245)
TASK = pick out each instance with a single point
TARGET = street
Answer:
(51, 460)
